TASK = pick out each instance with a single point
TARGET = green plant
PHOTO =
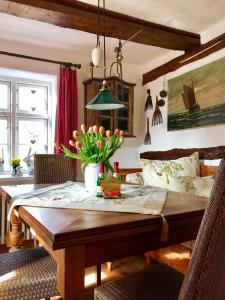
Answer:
(95, 145)
(15, 162)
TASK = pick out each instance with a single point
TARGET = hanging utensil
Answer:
(161, 102)
(147, 140)
(148, 103)
(157, 116)
(163, 93)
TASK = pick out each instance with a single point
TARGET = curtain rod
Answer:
(78, 66)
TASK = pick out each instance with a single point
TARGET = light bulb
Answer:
(97, 56)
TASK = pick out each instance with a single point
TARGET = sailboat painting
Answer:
(197, 98)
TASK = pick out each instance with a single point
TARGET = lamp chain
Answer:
(104, 39)
(98, 26)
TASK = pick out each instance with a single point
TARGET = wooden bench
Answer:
(178, 256)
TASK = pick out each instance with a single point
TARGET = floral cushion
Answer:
(203, 185)
(182, 184)
(135, 178)
(169, 173)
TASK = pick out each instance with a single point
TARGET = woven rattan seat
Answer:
(205, 277)
(143, 284)
(27, 275)
(53, 168)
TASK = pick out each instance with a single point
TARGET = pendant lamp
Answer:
(104, 100)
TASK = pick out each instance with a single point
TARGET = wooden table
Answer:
(80, 238)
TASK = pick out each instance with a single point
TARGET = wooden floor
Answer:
(119, 268)
(177, 257)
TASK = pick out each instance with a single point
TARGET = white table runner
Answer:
(135, 199)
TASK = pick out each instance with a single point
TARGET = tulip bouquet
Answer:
(94, 145)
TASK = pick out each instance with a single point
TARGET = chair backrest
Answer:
(53, 168)
(205, 278)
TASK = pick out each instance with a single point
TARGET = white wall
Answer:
(128, 155)
(161, 139)
(198, 137)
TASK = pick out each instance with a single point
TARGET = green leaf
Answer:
(71, 154)
(108, 166)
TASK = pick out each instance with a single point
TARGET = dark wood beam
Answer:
(81, 16)
(193, 55)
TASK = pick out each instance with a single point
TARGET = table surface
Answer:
(81, 238)
(61, 228)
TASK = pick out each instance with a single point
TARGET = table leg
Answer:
(70, 272)
(15, 234)
(98, 273)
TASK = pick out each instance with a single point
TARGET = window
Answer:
(25, 118)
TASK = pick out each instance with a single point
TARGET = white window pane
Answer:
(32, 133)
(4, 95)
(3, 131)
(33, 98)
(4, 145)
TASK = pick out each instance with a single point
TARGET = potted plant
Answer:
(94, 146)
(15, 163)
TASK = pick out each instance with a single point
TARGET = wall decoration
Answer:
(148, 103)
(197, 98)
(147, 140)
(157, 115)
(163, 93)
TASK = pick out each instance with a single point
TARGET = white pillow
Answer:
(166, 172)
(203, 185)
(135, 178)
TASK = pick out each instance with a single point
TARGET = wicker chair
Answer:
(206, 273)
(56, 168)
(27, 274)
(53, 168)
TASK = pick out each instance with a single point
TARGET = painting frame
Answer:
(197, 98)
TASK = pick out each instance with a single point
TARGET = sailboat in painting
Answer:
(189, 98)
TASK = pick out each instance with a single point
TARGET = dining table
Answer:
(79, 238)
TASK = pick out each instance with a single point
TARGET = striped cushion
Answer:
(159, 282)
(27, 274)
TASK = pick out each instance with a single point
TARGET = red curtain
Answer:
(67, 107)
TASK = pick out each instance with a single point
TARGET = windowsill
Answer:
(7, 178)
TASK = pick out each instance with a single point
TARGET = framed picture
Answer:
(197, 98)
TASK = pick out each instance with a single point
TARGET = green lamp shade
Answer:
(104, 101)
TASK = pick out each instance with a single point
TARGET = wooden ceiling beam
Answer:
(187, 58)
(81, 16)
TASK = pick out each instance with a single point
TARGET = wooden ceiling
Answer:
(174, 64)
(81, 16)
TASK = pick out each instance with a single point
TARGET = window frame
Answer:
(13, 115)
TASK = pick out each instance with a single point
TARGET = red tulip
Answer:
(78, 145)
(108, 133)
(75, 134)
(99, 143)
(95, 128)
(116, 131)
(121, 132)
(90, 130)
(72, 143)
(101, 130)
(57, 145)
